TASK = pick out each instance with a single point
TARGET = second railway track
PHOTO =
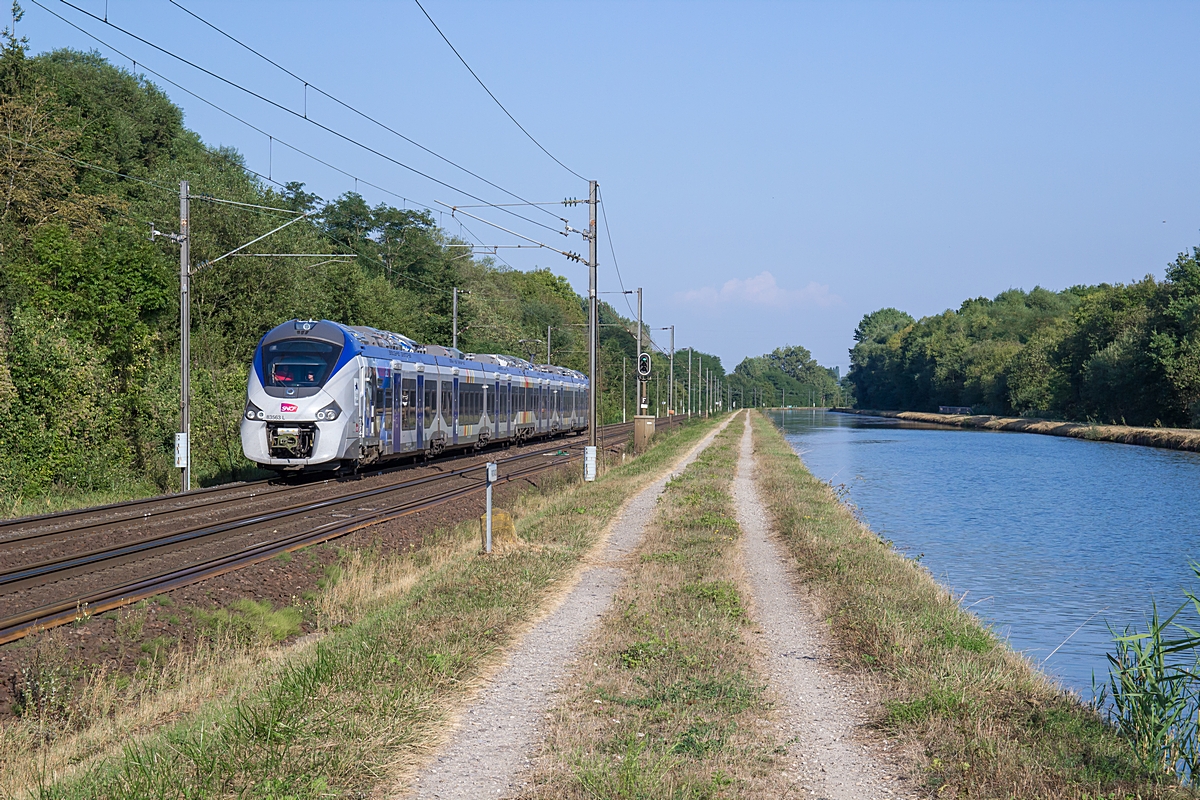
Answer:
(44, 586)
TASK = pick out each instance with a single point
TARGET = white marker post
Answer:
(182, 457)
(491, 478)
(589, 463)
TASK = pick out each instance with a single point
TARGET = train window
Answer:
(446, 404)
(408, 404)
(299, 362)
(490, 403)
(431, 394)
(381, 386)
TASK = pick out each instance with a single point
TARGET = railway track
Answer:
(47, 578)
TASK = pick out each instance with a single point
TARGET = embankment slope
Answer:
(1166, 438)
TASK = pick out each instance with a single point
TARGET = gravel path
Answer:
(820, 710)
(489, 751)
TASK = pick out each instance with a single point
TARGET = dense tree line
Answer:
(786, 376)
(90, 155)
(1111, 353)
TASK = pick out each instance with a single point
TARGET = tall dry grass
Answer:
(346, 713)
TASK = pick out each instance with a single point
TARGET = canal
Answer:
(1050, 539)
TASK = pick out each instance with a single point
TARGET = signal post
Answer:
(643, 424)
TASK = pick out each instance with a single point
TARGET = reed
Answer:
(1153, 693)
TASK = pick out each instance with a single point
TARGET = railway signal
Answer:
(643, 368)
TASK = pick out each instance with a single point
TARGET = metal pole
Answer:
(624, 392)
(641, 383)
(185, 333)
(454, 324)
(657, 405)
(491, 478)
(547, 344)
(689, 403)
(594, 323)
(671, 388)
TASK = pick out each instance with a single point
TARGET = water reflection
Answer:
(1049, 538)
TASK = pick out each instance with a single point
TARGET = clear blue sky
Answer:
(772, 171)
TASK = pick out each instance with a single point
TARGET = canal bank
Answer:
(981, 720)
(1166, 438)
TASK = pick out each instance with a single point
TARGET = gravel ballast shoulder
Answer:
(489, 750)
(821, 712)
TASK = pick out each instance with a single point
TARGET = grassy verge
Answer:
(986, 722)
(666, 702)
(65, 498)
(346, 713)
(1166, 438)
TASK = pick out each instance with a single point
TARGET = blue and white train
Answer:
(323, 395)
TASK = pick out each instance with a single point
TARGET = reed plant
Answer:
(1153, 692)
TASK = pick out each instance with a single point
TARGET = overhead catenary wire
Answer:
(489, 92)
(241, 166)
(231, 115)
(340, 258)
(308, 85)
(611, 249)
(210, 198)
(332, 131)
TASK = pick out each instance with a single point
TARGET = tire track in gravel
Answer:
(821, 712)
(488, 753)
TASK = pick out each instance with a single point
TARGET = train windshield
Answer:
(299, 362)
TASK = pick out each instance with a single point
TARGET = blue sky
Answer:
(771, 171)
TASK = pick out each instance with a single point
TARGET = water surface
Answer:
(1049, 538)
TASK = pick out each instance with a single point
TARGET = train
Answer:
(326, 396)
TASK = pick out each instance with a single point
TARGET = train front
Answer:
(300, 398)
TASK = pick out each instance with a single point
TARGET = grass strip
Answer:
(1166, 438)
(667, 702)
(348, 714)
(983, 720)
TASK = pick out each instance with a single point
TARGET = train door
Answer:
(497, 408)
(544, 404)
(454, 406)
(396, 411)
(389, 442)
(444, 405)
(408, 413)
(420, 398)
(432, 406)
(367, 402)
(508, 409)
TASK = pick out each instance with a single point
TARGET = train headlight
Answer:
(253, 411)
(329, 412)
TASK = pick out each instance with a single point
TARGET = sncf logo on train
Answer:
(287, 407)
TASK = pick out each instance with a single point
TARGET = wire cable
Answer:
(88, 164)
(349, 107)
(345, 137)
(231, 115)
(611, 249)
(489, 91)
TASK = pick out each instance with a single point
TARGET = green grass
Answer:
(336, 717)
(668, 701)
(946, 685)
(250, 620)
